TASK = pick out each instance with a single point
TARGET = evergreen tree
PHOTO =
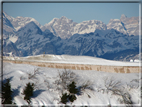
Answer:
(28, 92)
(6, 92)
(72, 88)
(72, 97)
(72, 91)
(64, 98)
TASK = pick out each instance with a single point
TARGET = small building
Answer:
(136, 60)
(131, 60)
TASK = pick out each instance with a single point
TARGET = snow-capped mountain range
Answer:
(117, 40)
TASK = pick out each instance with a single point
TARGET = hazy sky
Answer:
(78, 12)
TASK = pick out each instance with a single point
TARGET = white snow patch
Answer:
(13, 38)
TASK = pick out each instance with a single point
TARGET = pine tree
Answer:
(6, 92)
(28, 92)
(72, 88)
(64, 98)
(72, 97)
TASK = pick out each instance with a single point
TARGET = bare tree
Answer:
(112, 85)
(64, 79)
(87, 85)
(33, 75)
(116, 88)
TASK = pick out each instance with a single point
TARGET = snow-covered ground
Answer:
(46, 94)
(73, 60)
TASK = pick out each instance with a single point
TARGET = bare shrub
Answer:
(137, 83)
(86, 85)
(116, 88)
(64, 79)
(49, 86)
(112, 85)
(33, 75)
(125, 99)
(22, 78)
(135, 80)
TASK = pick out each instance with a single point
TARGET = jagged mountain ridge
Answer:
(125, 25)
(60, 27)
(20, 21)
(65, 28)
(31, 40)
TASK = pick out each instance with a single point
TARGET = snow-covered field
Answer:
(73, 60)
(46, 93)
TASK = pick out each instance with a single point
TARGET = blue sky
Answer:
(78, 12)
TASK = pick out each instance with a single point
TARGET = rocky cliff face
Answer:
(125, 25)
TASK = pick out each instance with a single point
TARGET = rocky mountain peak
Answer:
(30, 27)
(123, 17)
(51, 22)
(64, 18)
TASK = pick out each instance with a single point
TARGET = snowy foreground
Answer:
(46, 93)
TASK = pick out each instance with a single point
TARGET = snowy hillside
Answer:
(68, 59)
(99, 92)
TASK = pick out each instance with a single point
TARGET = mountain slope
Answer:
(125, 25)
(92, 38)
(118, 25)
(60, 27)
(20, 21)
(8, 28)
(99, 43)
(9, 46)
(32, 40)
(88, 27)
